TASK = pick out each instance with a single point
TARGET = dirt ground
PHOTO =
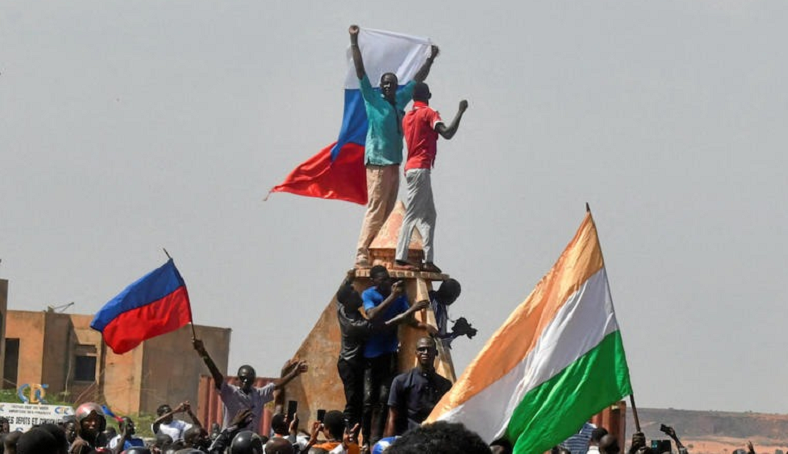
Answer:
(722, 445)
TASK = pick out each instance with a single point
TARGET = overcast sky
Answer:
(126, 127)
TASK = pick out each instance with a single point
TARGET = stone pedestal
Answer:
(321, 387)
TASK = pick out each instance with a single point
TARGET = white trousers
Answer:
(419, 213)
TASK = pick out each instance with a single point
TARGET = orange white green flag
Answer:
(557, 360)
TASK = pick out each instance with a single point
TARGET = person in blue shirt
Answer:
(383, 302)
(383, 147)
(355, 329)
(126, 437)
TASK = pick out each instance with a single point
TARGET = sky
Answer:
(128, 127)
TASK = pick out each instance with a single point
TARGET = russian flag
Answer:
(337, 171)
(156, 304)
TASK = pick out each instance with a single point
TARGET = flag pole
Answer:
(191, 316)
(631, 396)
(634, 411)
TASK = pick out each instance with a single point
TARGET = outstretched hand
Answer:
(288, 366)
(421, 305)
(434, 51)
(463, 105)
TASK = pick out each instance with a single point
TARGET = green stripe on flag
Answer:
(555, 410)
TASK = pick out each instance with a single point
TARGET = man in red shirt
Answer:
(421, 127)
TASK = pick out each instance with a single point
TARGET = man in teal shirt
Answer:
(383, 148)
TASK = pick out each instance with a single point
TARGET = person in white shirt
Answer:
(175, 428)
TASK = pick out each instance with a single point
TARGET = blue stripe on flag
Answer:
(152, 287)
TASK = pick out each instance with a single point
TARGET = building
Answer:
(3, 310)
(70, 360)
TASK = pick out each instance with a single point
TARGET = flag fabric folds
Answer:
(337, 171)
(155, 304)
(557, 360)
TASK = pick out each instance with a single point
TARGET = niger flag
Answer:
(557, 360)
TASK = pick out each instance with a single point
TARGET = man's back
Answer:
(421, 136)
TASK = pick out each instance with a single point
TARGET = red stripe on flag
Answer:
(343, 179)
(130, 328)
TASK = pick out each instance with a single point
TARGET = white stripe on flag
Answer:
(385, 52)
(579, 326)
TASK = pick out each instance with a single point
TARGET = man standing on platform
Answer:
(383, 148)
(422, 125)
(415, 393)
(247, 396)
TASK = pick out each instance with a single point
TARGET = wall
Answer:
(3, 319)
(82, 335)
(28, 327)
(163, 369)
(57, 348)
(171, 368)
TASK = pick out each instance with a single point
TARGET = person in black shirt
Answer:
(355, 329)
(416, 392)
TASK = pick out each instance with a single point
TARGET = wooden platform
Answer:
(401, 274)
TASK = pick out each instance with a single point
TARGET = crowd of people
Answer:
(383, 409)
(88, 432)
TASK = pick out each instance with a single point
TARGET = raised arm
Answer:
(424, 71)
(397, 290)
(297, 369)
(357, 60)
(448, 132)
(161, 418)
(187, 408)
(408, 314)
(218, 378)
(407, 318)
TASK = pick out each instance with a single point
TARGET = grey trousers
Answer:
(419, 213)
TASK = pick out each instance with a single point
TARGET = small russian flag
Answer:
(155, 304)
